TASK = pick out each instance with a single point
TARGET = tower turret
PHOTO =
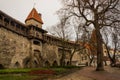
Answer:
(34, 18)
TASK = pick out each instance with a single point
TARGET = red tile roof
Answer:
(34, 15)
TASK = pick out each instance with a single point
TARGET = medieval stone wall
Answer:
(14, 49)
(50, 54)
(24, 46)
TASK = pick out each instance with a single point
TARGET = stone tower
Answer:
(34, 19)
(35, 34)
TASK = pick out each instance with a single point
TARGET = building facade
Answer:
(28, 45)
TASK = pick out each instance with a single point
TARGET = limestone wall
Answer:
(50, 55)
(13, 49)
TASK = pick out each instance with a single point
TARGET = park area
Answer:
(66, 73)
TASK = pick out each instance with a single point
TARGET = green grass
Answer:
(16, 77)
(59, 70)
(4, 71)
(15, 74)
(23, 74)
(19, 70)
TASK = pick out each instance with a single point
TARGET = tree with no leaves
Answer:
(96, 13)
(63, 31)
(111, 42)
(66, 30)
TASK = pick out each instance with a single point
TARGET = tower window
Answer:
(6, 20)
(36, 42)
(1, 17)
(13, 23)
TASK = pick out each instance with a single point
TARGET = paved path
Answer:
(89, 73)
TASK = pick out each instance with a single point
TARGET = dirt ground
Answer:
(89, 73)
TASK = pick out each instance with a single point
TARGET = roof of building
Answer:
(34, 15)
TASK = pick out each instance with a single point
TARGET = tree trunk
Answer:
(62, 57)
(71, 56)
(91, 60)
(105, 63)
(112, 59)
(99, 43)
(70, 60)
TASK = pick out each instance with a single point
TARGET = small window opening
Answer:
(36, 42)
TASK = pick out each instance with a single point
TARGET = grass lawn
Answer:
(24, 74)
(16, 77)
(17, 74)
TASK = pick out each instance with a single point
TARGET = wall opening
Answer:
(17, 65)
(6, 20)
(47, 64)
(55, 63)
(1, 17)
(36, 42)
(36, 65)
(38, 57)
(12, 23)
(26, 63)
(1, 66)
(68, 63)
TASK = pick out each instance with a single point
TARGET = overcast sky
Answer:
(19, 9)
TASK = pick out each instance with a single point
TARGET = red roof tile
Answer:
(34, 15)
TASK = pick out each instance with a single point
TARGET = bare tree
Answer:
(111, 40)
(81, 38)
(96, 13)
(115, 44)
(63, 31)
(67, 29)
